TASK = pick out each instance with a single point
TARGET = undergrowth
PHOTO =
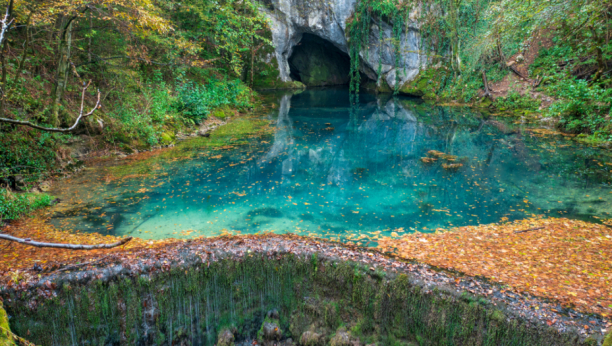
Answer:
(14, 205)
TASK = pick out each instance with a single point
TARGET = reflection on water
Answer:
(340, 171)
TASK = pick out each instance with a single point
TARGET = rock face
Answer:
(290, 20)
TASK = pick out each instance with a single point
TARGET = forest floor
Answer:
(566, 260)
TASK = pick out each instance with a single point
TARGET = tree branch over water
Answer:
(31, 242)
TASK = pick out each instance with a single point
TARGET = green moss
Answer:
(608, 340)
(498, 316)
(426, 84)
(6, 338)
(383, 88)
(222, 113)
(181, 304)
(268, 77)
(167, 138)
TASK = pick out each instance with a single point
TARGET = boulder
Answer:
(271, 331)
(311, 339)
(225, 338)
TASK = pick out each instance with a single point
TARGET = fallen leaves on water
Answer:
(563, 259)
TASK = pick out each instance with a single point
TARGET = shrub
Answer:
(13, 205)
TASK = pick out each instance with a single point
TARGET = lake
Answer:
(345, 170)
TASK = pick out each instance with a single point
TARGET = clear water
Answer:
(349, 172)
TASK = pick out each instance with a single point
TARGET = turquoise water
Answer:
(351, 171)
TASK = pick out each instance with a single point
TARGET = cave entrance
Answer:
(317, 62)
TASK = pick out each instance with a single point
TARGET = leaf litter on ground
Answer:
(557, 258)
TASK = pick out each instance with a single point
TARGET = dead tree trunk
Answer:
(486, 85)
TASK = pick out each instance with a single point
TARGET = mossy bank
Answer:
(277, 289)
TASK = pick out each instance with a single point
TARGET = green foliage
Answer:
(471, 36)
(29, 154)
(196, 101)
(514, 101)
(14, 205)
(581, 105)
(232, 26)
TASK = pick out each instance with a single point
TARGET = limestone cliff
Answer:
(291, 19)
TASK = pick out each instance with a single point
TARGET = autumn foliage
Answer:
(566, 260)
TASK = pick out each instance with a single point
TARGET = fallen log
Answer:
(31, 242)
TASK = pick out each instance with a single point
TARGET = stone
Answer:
(225, 338)
(520, 58)
(273, 313)
(342, 338)
(45, 186)
(271, 331)
(311, 339)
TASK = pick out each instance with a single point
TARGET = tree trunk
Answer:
(3, 48)
(61, 75)
(25, 48)
(89, 41)
(252, 60)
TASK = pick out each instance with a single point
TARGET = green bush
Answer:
(14, 205)
(196, 101)
(515, 101)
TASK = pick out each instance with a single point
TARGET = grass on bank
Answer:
(14, 205)
(239, 131)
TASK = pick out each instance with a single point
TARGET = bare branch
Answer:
(30, 242)
(69, 129)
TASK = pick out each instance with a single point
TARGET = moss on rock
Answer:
(608, 340)
(196, 300)
(6, 338)
(426, 84)
(167, 138)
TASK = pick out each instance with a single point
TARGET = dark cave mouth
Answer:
(317, 62)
